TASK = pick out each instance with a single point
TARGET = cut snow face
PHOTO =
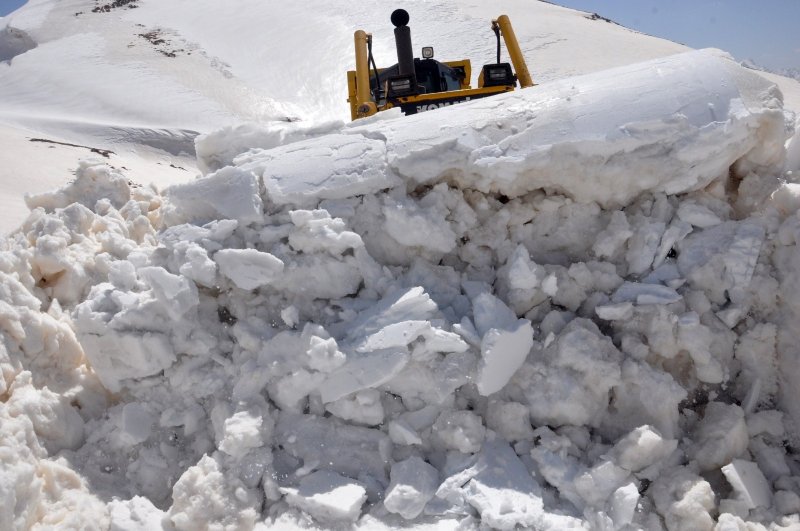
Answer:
(570, 307)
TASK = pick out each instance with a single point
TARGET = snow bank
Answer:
(687, 118)
(512, 314)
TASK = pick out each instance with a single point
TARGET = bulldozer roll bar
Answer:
(514, 51)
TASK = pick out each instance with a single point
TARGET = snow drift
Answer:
(569, 307)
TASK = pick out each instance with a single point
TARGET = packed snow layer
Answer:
(668, 125)
(427, 321)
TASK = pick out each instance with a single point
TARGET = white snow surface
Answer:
(568, 307)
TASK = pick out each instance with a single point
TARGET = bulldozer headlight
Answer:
(401, 86)
(498, 74)
(427, 52)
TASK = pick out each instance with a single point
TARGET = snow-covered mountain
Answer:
(792, 73)
(568, 307)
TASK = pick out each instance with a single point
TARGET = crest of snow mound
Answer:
(668, 125)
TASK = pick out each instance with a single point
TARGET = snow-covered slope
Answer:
(569, 307)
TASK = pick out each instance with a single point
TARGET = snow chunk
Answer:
(317, 231)
(363, 371)
(176, 294)
(502, 490)
(248, 268)
(324, 354)
(118, 356)
(415, 226)
(349, 450)
(413, 484)
(721, 260)
(787, 502)
(503, 352)
(362, 407)
(684, 499)
(613, 237)
(641, 448)
(749, 484)
(623, 505)
(720, 436)
(136, 514)
(242, 432)
(327, 496)
(645, 294)
(94, 180)
(399, 306)
(335, 166)
(505, 343)
(598, 483)
(510, 419)
(402, 434)
(621, 311)
(569, 382)
(646, 396)
(697, 215)
(136, 423)
(205, 497)
(57, 424)
(642, 247)
(460, 430)
(230, 193)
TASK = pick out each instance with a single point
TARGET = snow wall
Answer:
(568, 307)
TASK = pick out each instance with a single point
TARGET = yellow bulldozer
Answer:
(418, 85)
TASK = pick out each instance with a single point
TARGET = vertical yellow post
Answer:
(514, 51)
(364, 104)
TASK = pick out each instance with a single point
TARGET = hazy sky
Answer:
(766, 31)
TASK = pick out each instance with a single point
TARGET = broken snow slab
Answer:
(349, 450)
(399, 306)
(615, 312)
(248, 268)
(327, 496)
(136, 514)
(722, 259)
(499, 487)
(641, 448)
(335, 166)
(505, 344)
(413, 484)
(230, 193)
(363, 370)
(642, 294)
(749, 484)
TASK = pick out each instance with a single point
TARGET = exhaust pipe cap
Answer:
(400, 17)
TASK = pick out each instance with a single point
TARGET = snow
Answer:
(569, 307)
(327, 496)
(248, 268)
(413, 484)
(749, 484)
